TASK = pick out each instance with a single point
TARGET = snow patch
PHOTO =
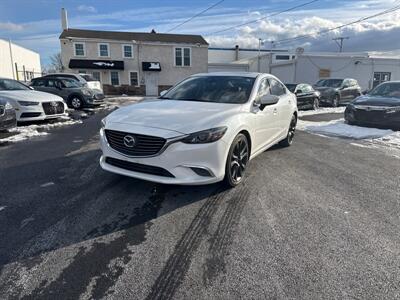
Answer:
(47, 184)
(2, 208)
(323, 110)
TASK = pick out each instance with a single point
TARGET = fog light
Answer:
(201, 172)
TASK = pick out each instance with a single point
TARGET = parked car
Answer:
(91, 82)
(379, 108)
(203, 130)
(85, 79)
(337, 91)
(31, 105)
(307, 97)
(75, 94)
(8, 117)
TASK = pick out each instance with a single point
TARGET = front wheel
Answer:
(289, 138)
(237, 160)
(76, 102)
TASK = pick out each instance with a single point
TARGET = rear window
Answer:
(88, 77)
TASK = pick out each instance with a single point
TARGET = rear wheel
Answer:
(335, 101)
(315, 104)
(237, 160)
(289, 138)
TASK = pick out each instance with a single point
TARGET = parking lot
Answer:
(316, 220)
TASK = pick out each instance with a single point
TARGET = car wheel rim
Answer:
(316, 104)
(76, 103)
(239, 159)
(292, 129)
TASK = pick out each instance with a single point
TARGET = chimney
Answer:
(237, 52)
(64, 19)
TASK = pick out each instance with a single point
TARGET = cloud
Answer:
(8, 26)
(87, 8)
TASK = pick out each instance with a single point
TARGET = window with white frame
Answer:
(127, 51)
(103, 50)
(114, 76)
(182, 57)
(96, 75)
(134, 78)
(79, 49)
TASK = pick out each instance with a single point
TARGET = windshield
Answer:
(70, 83)
(12, 85)
(334, 83)
(391, 90)
(291, 87)
(219, 89)
(88, 77)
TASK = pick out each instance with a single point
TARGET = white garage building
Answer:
(368, 68)
(17, 62)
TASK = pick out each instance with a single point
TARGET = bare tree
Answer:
(56, 64)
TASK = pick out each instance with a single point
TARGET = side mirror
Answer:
(162, 93)
(299, 92)
(269, 100)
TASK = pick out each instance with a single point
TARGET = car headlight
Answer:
(87, 92)
(8, 106)
(205, 136)
(28, 103)
(103, 123)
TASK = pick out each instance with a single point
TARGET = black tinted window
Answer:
(39, 82)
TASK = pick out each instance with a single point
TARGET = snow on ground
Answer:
(368, 136)
(21, 133)
(322, 110)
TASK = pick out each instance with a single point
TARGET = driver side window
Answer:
(277, 88)
(263, 90)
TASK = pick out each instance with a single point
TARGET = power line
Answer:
(196, 15)
(289, 40)
(265, 17)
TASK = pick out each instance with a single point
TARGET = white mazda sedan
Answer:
(203, 130)
(31, 105)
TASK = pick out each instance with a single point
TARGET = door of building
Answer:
(151, 83)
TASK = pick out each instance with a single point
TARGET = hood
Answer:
(29, 95)
(176, 115)
(376, 101)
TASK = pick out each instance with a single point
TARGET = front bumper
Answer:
(36, 113)
(178, 159)
(376, 118)
(97, 99)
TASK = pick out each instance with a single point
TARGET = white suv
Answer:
(203, 130)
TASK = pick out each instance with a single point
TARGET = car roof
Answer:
(237, 74)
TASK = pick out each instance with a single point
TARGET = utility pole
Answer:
(270, 57)
(260, 42)
(339, 41)
(12, 58)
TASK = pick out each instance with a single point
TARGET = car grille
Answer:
(2, 110)
(145, 145)
(53, 108)
(369, 116)
(135, 167)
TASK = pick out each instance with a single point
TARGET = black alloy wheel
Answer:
(292, 129)
(238, 158)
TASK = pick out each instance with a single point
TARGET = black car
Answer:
(307, 97)
(337, 91)
(8, 117)
(75, 94)
(380, 108)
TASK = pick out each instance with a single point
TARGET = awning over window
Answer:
(96, 64)
(151, 66)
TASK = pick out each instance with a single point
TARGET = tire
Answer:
(76, 102)
(236, 162)
(315, 105)
(336, 101)
(288, 140)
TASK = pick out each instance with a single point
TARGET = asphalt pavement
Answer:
(318, 220)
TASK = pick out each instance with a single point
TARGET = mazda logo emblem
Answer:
(129, 141)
